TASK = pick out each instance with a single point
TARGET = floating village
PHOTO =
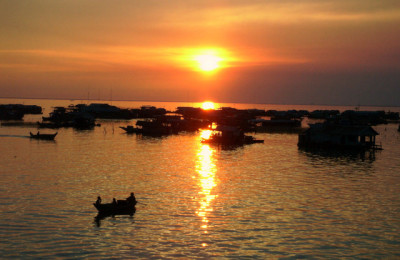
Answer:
(351, 129)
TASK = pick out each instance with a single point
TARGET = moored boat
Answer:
(228, 135)
(129, 129)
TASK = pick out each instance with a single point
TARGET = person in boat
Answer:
(131, 198)
(114, 201)
(98, 201)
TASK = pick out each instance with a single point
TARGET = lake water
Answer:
(258, 201)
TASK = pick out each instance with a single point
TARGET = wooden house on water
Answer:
(328, 135)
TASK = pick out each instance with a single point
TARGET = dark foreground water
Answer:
(261, 201)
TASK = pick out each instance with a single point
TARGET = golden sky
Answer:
(286, 51)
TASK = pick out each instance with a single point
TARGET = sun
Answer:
(208, 62)
(208, 105)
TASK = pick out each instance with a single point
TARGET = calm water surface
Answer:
(261, 201)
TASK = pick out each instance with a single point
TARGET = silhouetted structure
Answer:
(334, 135)
(72, 116)
(17, 111)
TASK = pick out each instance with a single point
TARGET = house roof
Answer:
(355, 130)
(343, 130)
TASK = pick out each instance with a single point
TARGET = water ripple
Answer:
(254, 202)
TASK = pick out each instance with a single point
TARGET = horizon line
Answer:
(126, 100)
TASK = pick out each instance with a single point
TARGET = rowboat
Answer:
(117, 206)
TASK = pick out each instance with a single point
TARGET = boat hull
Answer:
(43, 136)
(121, 207)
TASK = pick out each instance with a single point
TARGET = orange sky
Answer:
(289, 52)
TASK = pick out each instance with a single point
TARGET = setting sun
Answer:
(208, 105)
(208, 62)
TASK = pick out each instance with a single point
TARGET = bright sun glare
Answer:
(208, 62)
(208, 105)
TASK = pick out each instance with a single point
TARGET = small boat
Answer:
(43, 136)
(154, 127)
(228, 135)
(116, 207)
(129, 129)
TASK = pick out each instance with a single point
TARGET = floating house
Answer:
(154, 127)
(329, 135)
(68, 117)
(17, 111)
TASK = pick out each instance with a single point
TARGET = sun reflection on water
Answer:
(205, 134)
(206, 169)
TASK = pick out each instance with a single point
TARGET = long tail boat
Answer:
(43, 136)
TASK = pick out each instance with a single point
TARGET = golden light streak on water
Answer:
(274, 200)
(205, 134)
(206, 170)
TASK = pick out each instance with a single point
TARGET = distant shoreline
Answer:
(275, 104)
